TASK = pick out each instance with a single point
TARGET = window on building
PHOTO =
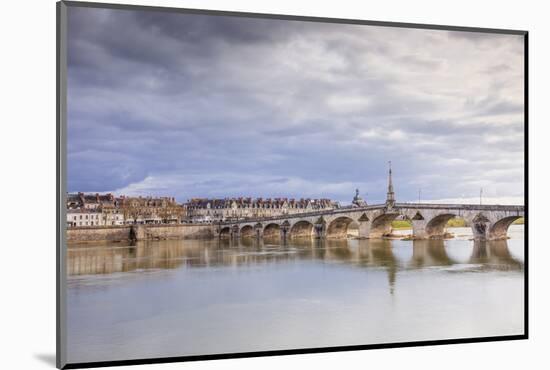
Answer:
(81, 217)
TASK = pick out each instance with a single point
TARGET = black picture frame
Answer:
(61, 153)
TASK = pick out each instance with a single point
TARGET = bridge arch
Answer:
(381, 225)
(499, 230)
(272, 231)
(225, 232)
(302, 229)
(247, 231)
(338, 228)
(436, 226)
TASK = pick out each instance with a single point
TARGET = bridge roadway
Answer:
(488, 222)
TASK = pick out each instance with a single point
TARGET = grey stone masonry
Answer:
(488, 222)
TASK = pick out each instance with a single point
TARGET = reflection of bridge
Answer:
(373, 253)
(173, 254)
(428, 220)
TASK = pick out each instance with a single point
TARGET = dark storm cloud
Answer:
(195, 105)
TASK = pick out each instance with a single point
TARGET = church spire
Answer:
(390, 197)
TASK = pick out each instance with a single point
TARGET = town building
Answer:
(84, 218)
(87, 210)
(149, 210)
(89, 201)
(204, 210)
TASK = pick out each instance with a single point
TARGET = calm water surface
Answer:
(187, 297)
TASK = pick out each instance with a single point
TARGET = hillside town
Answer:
(96, 210)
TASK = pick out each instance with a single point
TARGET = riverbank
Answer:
(77, 235)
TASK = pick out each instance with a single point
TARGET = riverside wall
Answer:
(140, 232)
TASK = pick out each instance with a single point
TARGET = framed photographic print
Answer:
(235, 184)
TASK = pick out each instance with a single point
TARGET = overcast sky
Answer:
(209, 106)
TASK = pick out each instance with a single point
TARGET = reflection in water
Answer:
(375, 253)
(192, 297)
(495, 254)
(429, 253)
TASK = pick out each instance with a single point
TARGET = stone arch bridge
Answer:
(488, 222)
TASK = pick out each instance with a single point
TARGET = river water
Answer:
(191, 297)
